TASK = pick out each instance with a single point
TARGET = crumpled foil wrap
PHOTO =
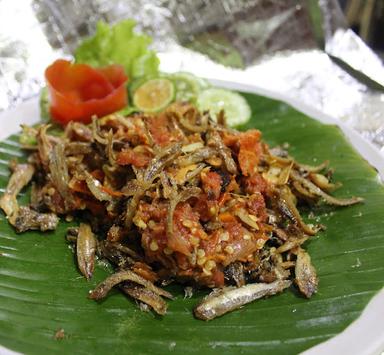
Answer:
(284, 46)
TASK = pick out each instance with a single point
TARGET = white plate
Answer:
(365, 336)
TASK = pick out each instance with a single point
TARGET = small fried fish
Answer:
(228, 299)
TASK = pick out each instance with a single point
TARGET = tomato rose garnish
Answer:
(78, 91)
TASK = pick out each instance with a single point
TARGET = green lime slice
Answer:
(154, 95)
(188, 86)
(137, 82)
(236, 108)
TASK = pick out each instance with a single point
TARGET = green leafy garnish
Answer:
(44, 104)
(119, 44)
(28, 136)
(127, 110)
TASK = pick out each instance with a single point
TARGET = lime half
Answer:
(154, 95)
(236, 108)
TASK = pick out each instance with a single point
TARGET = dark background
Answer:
(366, 18)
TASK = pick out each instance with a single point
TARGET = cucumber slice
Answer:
(188, 86)
(154, 95)
(201, 83)
(236, 108)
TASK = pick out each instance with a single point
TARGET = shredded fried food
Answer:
(176, 196)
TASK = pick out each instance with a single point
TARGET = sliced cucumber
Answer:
(154, 94)
(201, 83)
(188, 86)
(236, 108)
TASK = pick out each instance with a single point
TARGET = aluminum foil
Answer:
(279, 45)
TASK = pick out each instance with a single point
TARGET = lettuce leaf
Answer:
(119, 44)
(44, 104)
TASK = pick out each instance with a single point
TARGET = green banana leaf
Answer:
(41, 290)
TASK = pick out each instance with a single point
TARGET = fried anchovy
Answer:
(104, 287)
(44, 144)
(86, 250)
(288, 208)
(306, 278)
(230, 298)
(322, 182)
(291, 243)
(124, 249)
(147, 296)
(21, 176)
(235, 273)
(76, 148)
(95, 187)
(160, 162)
(117, 257)
(192, 127)
(153, 170)
(28, 219)
(96, 134)
(197, 156)
(224, 151)
(59, 174)
(312, 169)
(318, 192)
